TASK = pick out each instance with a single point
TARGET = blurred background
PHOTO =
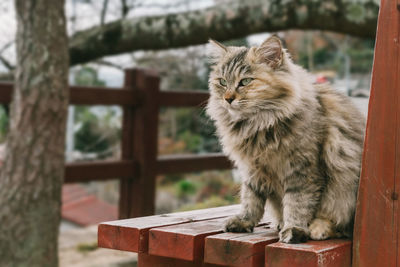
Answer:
(94, 132)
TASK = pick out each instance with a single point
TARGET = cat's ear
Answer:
(216, 50)
(271, 52)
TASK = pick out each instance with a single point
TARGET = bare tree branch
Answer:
(103, 12)
(108, 64)
(6, 63)
(224, 22)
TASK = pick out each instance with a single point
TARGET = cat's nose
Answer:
(229, 97)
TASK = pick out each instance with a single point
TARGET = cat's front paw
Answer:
(237, 224)
(293, 235)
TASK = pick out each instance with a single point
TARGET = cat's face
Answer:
(248, 80)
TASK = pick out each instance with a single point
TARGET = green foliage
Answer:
(197, 130)
(88, 76)
(193, 141)
(322, 58)
(97, 131)
(361, 60)
(86, 247)
(186, 188)
(95, 134)
(4, 122)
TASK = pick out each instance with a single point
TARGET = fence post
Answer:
(139, 142)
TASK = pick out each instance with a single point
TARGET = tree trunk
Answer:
(224, 22)
(32, 174)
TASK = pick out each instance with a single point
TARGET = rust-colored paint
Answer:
(239, 249)
(132, 234)
(145, 260)
(329, 253)
(121, 238)
(183, 241)
(376, 232)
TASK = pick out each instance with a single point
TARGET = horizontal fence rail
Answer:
(183, 99)
(169, 164)
(99, 170)
(86, 95)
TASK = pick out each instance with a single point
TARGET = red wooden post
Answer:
(139, 142)
(376, 233)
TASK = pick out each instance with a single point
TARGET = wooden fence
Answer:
(139, 165)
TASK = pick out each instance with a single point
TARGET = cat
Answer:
(297, 145)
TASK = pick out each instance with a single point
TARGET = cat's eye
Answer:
(222, 82)
(245, 81)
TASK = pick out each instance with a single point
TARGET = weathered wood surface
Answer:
(377, 235)
(157, 261)
(132, 234)
(329, 253)
(184, 99)
(183, 241)
(98, 170)
(139, 143)
(195, 238)
(85, 95)
(189, 163)
(186, 241)
(239, 250)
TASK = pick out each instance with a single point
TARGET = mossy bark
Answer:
(224, 22)
(32, 173)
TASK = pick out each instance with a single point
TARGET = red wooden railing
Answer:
(376, 230)
(139, 165)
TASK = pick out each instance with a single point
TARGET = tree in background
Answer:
(224, 20)
(33, 170)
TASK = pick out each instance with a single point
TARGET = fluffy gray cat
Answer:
(297, 145)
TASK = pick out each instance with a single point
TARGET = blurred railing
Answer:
(139, 165)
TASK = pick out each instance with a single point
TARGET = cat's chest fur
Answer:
(266, 156)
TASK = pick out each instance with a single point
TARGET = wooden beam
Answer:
(133, 234)
(78, 172)
(85, 95)
(183, 99)
(239, 249)
(327, 253)
(103, 96)
(191, 163)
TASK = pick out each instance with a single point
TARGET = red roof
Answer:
(80, 207)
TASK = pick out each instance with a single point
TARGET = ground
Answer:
(78, 248)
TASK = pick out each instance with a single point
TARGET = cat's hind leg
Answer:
(321, 229)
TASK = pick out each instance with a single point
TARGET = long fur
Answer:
(296, 144)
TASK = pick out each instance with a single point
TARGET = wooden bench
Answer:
(195, 238)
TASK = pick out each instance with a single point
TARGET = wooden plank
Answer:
(145, 260)
(183, 241)
(329, 253)
(186, 241)
(132, 234)
(98, 170)
(190, 163)
(239, 249)
(80, 95)
(184, 99)
(377, 235)
(86, 95)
